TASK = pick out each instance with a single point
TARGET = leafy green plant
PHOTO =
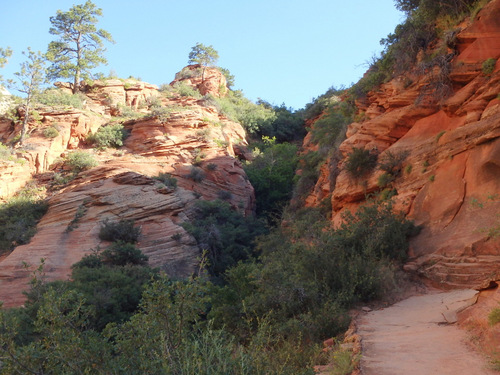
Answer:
(225, 234)
(343, 361)
(121, 253)
(196, 174)
(384, 180)
(272, 174)
(183, 89)
(79, 161)
(488, 66)
(329, 130)
(108, 136)
(167, 179)
(391, 162)
(18, 219)
(50, 132)
(122, 230)
(60, 98)
(360, 162)
(80, 212)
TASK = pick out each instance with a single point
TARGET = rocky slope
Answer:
(450, 160)
(181, 136)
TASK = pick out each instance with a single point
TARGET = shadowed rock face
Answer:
(193, 143)
(450, 180)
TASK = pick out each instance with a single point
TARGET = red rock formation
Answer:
(450, 182)
(212, 81)
(187, 137)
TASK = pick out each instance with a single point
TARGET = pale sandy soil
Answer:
(417, 336)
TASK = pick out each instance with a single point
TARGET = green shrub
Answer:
(360, 162)
(272, 174)
(55, 97)
(488, 66)
(330, 129)
(310, 165)
(225, 234)
(186, 73)
(166, 179)
(18, 219)
(196, 174)
(183, 89)
(211, 166)
(123, 230)
(79, 161)
(224, 195)
(80, 212)
(392, 162)
(236, 107)
(108, 136)
(50, 132)
(384, 180)
(121, 253)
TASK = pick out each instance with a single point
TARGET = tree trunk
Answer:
(76, 82)
(25, 122)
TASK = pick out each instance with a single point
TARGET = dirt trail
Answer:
(416, 337)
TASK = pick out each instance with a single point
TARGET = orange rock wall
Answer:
(121, 187)
(450, 183)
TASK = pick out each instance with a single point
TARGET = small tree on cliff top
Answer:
(80, 46)
(203, 55)
(29, 81)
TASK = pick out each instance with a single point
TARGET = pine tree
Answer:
(203, 55)
(80, 45)
(29, 80)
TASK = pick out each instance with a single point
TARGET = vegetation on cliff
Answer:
(263, 295)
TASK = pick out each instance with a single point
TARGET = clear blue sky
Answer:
(283, 51)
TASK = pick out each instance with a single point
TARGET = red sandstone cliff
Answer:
(450, 180)
(188, 135)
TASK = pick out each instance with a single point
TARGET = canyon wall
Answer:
(180, 135)
(449, 177)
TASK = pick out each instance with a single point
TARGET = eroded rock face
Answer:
(206, 80)
(450, 178)
(190, 141)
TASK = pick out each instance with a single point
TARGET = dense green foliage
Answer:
(360, 161)
(167, 179)
(79, 161)
(122, 230)
(18, 219)
(226, 235)
(310, 273)
(28, 82)
(108, 136)
(287, 125)
(238, 108)
(260, 320)
(55, 98)
(272, 174)
(203, 55)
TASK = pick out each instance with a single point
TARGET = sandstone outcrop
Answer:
(450, 169)
(185, 138)
(206, 80)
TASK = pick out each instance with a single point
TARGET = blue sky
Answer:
(283, 51)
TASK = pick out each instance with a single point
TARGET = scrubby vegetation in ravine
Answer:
(264, 295)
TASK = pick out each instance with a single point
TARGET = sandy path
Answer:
(415, 337)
